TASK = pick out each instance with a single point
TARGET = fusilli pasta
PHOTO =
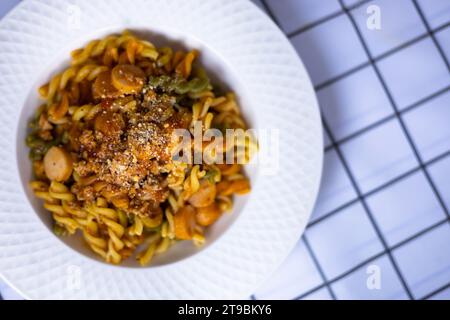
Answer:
(101, 148)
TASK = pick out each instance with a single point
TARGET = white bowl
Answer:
(244, 51)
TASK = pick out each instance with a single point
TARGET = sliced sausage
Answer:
(58, 164)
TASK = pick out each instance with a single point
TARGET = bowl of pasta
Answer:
(151, 150)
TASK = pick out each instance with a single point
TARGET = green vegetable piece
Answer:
(39, 147)
(198, 85)
(59, 230)
(178, 85)
(211, 175)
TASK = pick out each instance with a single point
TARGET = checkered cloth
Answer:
(381, 223)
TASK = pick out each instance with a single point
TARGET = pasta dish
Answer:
(107, 158)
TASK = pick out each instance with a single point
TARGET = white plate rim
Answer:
(35, 264)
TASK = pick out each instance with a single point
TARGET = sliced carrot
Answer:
(229, 169)
(222, 187)
(205, 195)
(226, 188)
(184, 222)
(208, 215)
(240, 186)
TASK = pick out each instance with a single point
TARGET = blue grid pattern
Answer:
(384, 200)
(385, 194)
